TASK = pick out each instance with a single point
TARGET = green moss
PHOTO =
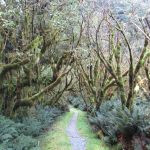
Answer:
(56, 138)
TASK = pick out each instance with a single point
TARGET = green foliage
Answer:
(34, 30)
(11, 136)
(35, 43)
(146, 56)
(5, 21)
(31, 126)
(46, 75)
(20, 135)
(115, 121)
(41, 118)
(77, 102)
(7, 129)
(22, 142)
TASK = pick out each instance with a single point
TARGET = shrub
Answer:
(11, 137)
(32, 127)
(20, 135)
(46, 75)
(22, 142)
(8, 130)
(122, 125)
(41, 119)
(77, 102)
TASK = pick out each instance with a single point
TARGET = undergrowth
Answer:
(77, 102)
(117, 125)
(20, 133)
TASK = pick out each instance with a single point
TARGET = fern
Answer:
(20, 135)
(22, 142)
(77, 102)
(112, 119)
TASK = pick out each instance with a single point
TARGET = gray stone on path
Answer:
(77, 142)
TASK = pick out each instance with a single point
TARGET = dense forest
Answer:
(88, 60)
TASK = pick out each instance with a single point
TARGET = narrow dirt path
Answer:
(77, 142)
(71, 131)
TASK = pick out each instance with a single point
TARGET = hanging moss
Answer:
(146, 56)
(9, 67)
(34, 44)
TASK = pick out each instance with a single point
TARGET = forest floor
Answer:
(71, 132)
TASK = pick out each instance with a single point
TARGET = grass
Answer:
(92, 142)
(56, 138)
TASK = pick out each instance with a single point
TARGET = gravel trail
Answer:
(77, 142)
